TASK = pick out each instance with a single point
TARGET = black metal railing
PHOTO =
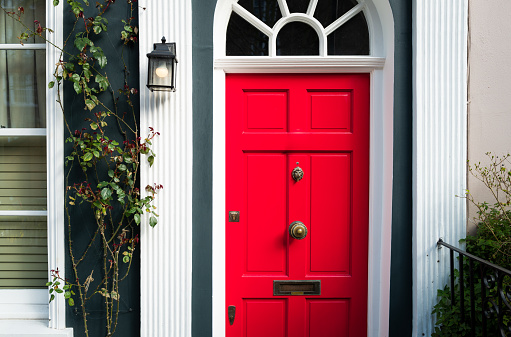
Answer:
(495, 293)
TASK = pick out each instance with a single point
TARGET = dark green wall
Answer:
(202, 51)
(401, 263)
(82, 220)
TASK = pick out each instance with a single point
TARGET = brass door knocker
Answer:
(297, 173)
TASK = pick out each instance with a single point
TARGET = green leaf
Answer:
(81, 42)
(102, 81)
(87, 156)
(90, 105)
(97, 29)
(55, 2)
(96, 154)
(150, 159)
(48, 284)
(99, 56)
(137, 218)
(60, 291)
(51, 84)
(70, 66)
(153, 221)
(122, 167)
(93, 125)
(126, 259)
(52, 297)
(71, 302)
(75, 78)
(111, 173)
(106, 193)
(67, 294)
(77, 87)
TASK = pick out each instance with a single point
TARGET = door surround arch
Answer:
(380, 65)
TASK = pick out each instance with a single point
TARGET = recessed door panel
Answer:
(330, 213)
(266, 213)
(328, 318)
(274, 314)
(297, 171)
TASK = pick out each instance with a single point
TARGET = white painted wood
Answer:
(166, 250)
(23, 213)
(300, 64)
(31, 328)
(25, 46)
(312, 7)
(439, 149)
(343, 19)
(55, 160)
(22, 132)
(299, 17)
(283, 7)
(381, 27)
(254, 21)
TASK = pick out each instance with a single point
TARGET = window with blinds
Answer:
(23, 195)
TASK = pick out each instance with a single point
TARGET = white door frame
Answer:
(380, 64)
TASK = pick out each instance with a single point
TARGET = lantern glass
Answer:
(161, 74)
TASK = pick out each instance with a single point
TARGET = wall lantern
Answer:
(161, 75)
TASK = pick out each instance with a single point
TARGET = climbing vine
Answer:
(102, 158)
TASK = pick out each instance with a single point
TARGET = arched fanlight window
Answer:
(297, 27)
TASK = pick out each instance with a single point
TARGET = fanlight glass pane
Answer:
(11, 29)
(352, 38)
(297, 38)
(268, 11)
(22, 173)
(22, 89)
(327, 11)
(298, 6)
(243, 39)
(23, 252)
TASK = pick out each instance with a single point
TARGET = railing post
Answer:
(500, 310)
(483, 298)
(472, 299)
(462, 289)
(451, 253)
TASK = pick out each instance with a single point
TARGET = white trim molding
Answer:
(439, 148)
(380, 64)
(166, 250)
(55, 158)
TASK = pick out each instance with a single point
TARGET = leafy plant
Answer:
(492, 242)
(104, 157)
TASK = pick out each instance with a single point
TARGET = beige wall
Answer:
(489, 91)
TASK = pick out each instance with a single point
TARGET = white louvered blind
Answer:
(23, 195)
(23, 241)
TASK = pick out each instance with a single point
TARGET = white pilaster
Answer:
(166, 250)
(439, 148)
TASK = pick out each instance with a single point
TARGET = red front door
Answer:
(274, 124)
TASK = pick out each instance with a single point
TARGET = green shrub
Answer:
(492, 242)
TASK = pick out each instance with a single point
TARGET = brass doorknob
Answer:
(297, 230)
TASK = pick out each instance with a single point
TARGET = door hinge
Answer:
(231, 311)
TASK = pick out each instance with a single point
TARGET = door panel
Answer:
(266, 212)
(275, 123)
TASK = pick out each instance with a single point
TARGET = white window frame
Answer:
(380, 64)
(32, 304)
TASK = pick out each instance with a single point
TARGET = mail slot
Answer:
(296, 287)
